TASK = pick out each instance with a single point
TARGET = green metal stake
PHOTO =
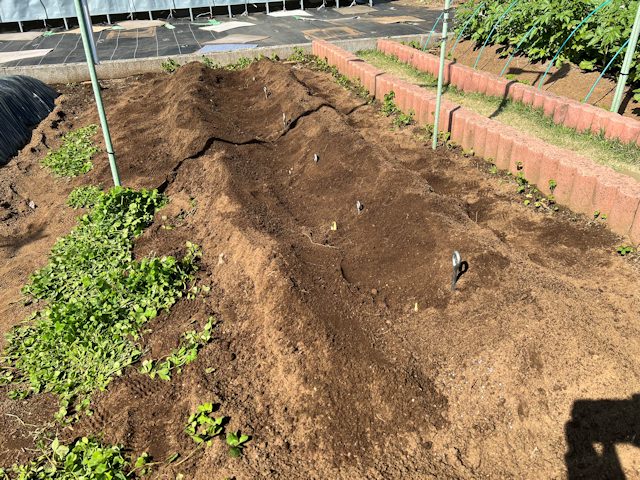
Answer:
(443, 48)
(96, 92)
(628, 58)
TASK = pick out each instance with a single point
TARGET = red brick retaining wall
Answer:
(583, 185)
(565, 111)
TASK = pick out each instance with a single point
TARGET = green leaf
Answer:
(142, 460)
(232, 438)
(172, 458)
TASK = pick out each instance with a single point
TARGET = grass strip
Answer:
(611, 153)
(97, 298)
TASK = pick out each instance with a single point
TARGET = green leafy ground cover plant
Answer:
(86, 459)
(82, 197)
(388, 105)
(170, 65)
(298, 55)
(242, 62)
(201, 427)
(97, 298)
(73, 158)
(592, 46)
(190, 345)
(402, 120)
(313, 62)
(207, 62)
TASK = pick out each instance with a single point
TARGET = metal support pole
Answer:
(96, 91)
(267, 8)
(66, 25)
(20, 25)
(301, 4)
(108, 19)
(443, 48)
(229, 6)
(150, 15)
(626, 64)
(87, 19)
(191, 13)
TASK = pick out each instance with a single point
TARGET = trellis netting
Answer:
(24, 103)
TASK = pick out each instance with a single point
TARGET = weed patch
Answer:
(242, 62)
(201, 427)
(97, 297)
(298, 55)
(82, 197)
(73, 158)
(191, 343)
(86, 459)
(170, 65)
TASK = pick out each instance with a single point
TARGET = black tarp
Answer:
(24, 103)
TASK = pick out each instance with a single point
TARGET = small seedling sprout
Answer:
(284, 120)
(235, 442)
(625, 250)
(265, 93)
(358, 206)
(201, 427)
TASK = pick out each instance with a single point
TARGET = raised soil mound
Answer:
(320, 354)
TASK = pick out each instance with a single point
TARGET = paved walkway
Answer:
(185, 38)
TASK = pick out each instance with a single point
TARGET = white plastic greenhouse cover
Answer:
(24, 103)
(26, 10)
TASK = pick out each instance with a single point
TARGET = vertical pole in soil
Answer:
(96, 91)
(443, 48)
(87, 17)
(628, 58)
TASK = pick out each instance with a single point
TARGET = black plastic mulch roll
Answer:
(24, 103)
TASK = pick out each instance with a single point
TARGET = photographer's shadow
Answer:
(596, 426)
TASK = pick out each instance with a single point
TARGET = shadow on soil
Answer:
(596, 426)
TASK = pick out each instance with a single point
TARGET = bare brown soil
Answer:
(320, 354)
(569, 80)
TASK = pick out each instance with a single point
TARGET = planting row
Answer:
(541, 29)
(565, 111)
(577, 182)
